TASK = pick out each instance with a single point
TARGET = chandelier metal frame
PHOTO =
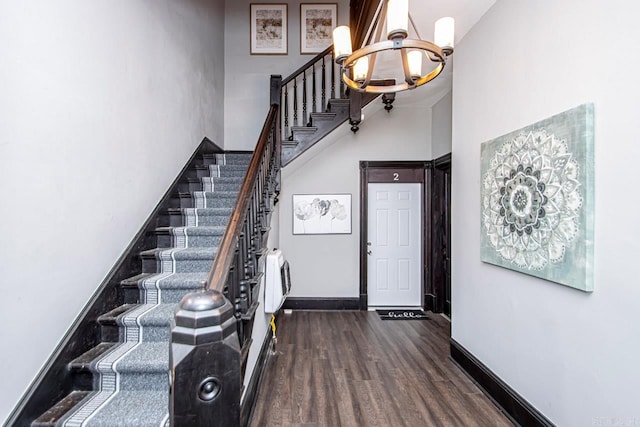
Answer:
(397, 41)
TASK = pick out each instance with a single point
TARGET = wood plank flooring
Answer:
(349, 368)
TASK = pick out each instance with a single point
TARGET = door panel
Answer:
(394, 245)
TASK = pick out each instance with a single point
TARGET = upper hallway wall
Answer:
(441, 129)
(102, 102)
(247, 76)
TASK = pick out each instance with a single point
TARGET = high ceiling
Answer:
(466, 13)
(425, 13)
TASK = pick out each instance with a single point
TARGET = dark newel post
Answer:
(205, 362)
(275, 89)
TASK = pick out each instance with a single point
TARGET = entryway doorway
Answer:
(392, 233)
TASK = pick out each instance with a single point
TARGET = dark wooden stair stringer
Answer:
(320, 125)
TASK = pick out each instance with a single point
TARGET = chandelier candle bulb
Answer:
(444, 33)
(342, 43)
(414, 58)
(397, 19)
(360, 69)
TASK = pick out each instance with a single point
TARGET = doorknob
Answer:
(368, 252)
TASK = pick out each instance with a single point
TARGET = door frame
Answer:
(439, 288)
(389, 172)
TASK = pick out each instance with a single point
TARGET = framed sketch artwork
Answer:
(317, 21)
(322, 214)
(268, 29)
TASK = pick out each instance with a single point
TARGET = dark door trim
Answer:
(438, 295)
(390, 172)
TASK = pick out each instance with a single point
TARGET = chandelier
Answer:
(357, 67)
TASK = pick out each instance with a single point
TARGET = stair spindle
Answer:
(295, 102)
(304, 98)
(286, 113)
(313, 93)
(333, 78)
(323, 90)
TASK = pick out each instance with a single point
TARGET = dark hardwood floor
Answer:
(350, 368)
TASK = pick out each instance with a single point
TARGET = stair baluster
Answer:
(333, 77)
(304, 98)
(295, 102)
(286, 134)
(313, 93)
(323, 91)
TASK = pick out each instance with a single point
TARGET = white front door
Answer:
(394, 248)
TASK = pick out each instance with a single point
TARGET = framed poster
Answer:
(268, 29)
(322, 214)
(317, 21)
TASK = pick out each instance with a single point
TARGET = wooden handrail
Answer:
(309, 63)
(217, 277)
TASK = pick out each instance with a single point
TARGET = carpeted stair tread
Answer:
(203, 211)
(227, 170)
(134, 280)
(146, 357)
(175, 281)
(51, 416)
(230, 167)
(206, 199)
(197, 217)
(232, 183)
(219, 194)
(84, 360)
(155, 322)
(201, 230)
(160, 315)
(140, 365)
(190, 236)
(234, 158)
(181, 253)
(139, 408)
(222, 179)
(111, 316)
(109, 322)
(182, 260)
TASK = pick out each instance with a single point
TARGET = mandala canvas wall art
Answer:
(537, 199)
(322, 214)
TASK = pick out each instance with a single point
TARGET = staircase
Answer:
(124, 380)
(314, 102)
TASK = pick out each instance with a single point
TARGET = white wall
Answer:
(325, 266)
(247, 76)
(102, 104)
(571, 354)
(441, 129)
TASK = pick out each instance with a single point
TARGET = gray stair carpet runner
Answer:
(131, 378)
